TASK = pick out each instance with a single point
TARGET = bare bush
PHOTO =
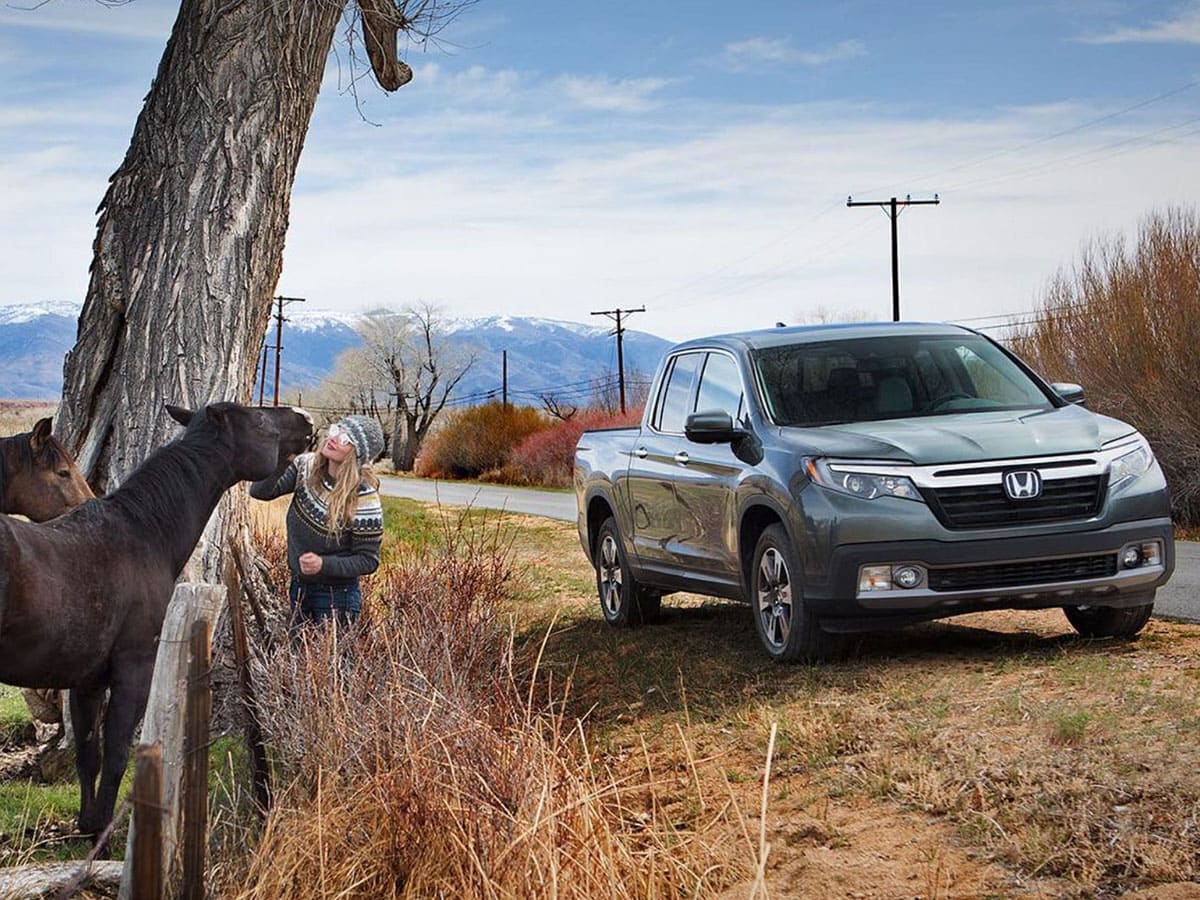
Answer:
(416, 766)
(1125, 322)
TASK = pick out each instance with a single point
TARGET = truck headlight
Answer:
(847, 479)
(1130, 465)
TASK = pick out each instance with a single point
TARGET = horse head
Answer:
(261, 439)
(41, 480)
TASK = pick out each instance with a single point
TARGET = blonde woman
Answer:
(334, 522)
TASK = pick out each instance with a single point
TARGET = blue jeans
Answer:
(317, 603)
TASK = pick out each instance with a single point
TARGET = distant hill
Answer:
(544, 355)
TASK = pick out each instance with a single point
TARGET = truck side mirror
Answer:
(1072, 393)
(711, 426)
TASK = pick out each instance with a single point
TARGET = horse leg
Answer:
(85, 705)
(126, 704)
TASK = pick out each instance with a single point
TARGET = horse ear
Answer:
(179, 414)
(40, 434)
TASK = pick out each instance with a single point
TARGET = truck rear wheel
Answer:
(788, 630)
(623, 601)
(1108, 621)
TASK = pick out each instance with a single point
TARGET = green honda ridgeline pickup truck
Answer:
(851, 477)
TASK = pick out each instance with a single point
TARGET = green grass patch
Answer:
(1069, 728)
(37, 821)
(14, 715)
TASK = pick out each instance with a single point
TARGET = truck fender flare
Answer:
(745, 511)
(600, 492)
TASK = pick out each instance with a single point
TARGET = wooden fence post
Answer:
(195, 749)
(164, 721)
(148, 819)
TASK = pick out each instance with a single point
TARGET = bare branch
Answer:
(558, 408)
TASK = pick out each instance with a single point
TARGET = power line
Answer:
(1049, 137)
(1016, 148)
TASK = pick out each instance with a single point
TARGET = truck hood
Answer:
(963, 437)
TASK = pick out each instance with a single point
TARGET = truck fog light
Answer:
(1152, 553)
(907, 576)
(1131, 557)
(875, 578)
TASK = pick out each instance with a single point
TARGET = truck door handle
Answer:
(682, 457)
(640, 452)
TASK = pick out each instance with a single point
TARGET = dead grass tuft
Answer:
(414, 765)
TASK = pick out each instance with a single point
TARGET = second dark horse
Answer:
(82, 598)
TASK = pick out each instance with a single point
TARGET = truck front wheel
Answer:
(623, 601)
(788, 631)
(1108, 621)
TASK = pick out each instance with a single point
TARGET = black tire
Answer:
(623, 602)
(789, 632)
(1108, 621)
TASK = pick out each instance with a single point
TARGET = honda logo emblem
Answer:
(1025, 484)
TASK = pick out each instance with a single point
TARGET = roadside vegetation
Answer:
(1124, 322)
(518, 445)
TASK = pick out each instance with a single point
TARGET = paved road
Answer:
(531, 501)
(1179, 599)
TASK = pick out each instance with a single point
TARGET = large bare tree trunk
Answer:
(190, 236)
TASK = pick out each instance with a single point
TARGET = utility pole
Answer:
(279, 320)
(892, 209)
(615, 314)
(262, 379)
(504, 376)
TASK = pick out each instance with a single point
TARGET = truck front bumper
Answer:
(1030, 572)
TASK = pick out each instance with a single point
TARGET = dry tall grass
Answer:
(417, 763)
(1125, 323)
(21, 415)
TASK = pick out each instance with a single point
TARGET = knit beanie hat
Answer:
(365, 434)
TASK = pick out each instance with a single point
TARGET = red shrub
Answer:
(547, 458)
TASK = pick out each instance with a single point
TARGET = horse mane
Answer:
(174, 480)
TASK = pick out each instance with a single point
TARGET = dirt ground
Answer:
(991, 755)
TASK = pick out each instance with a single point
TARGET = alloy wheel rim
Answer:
(610, 577)
(774, 598)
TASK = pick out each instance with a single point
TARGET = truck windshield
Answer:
(891, 377)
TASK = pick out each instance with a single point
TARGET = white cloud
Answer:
(1184, 28)
(135, 21)
(623, 95)
(497, 191)
(741, 224)
(757, 52)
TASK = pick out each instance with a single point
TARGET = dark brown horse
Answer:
(38, 478)
(82, 598)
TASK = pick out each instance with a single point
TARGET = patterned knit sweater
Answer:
(353, 552)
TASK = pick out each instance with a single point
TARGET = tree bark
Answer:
(190, 237)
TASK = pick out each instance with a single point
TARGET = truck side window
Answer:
(674, 403)
(720, 386)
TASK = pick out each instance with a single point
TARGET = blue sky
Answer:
(554, 158)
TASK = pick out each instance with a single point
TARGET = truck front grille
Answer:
(986, 506)
(1015, 574)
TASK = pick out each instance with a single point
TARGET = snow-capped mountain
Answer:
(544, 355)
